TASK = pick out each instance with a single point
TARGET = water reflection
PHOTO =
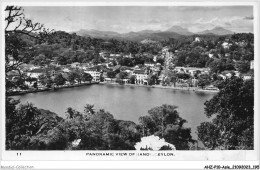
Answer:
(124, 102)
(132, 87)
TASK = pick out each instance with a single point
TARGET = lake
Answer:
(124, 102)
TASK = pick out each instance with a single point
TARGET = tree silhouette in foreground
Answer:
(17, 27)
(232, 109)
(164, 121)
(30, 128)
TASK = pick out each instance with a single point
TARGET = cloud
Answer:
(125, 19)
(198, 8)
(135, 20)
(68, 18)
(249, 18)
(235, 23)
(154, 21)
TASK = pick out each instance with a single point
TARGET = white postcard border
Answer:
(191, 158)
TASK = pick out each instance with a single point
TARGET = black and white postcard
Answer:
(111, 84)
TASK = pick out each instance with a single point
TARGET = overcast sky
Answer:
(124, 19)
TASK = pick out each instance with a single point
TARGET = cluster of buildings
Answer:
(34, 72)
(141, 73)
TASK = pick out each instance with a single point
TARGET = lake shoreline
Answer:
(195, 89)
(17, 93)
(123, 102)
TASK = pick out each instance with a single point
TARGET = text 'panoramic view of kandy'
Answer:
(129, 78)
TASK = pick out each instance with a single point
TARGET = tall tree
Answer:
(204, 80)
(72, 77)
(16, 24)
(111, 74)
(232, 109)
(59, 80)
(86, 77)
(152, 79)
(24, 124)
(165, 122)
(132, 79)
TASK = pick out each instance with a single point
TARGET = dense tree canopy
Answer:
(204, 80)
(152, 79)
(59, 80)
(26, 124)
(165, 122)
(232, 110)
(86, 77)
(30, 128)
(17, 26)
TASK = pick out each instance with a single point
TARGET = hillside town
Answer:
(139, 85)
(160, 70)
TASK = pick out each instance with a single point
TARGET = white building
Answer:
(155, 58)
(197, 39)
(211, 55)
(194, 82)
(112, 55)
(247, 77)
(129, 56)
(226, 45)
(94, 74)
(169, 55)
(165, 49)
(229, 74)
(104, 54)
(66, 70)
(192, 70)
(149, 64)
(223, 77)
(237, 73)
(35, 73)
(252, 64)
(141, 76)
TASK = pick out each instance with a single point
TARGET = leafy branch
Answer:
(17, 23)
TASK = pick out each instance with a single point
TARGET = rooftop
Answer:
(38, 70)
(139, 72)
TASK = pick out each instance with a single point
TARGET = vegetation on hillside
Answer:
(232, 110)
(30, 128)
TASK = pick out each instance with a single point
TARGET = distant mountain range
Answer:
(173, 32)
(216, 31)
(179, 30)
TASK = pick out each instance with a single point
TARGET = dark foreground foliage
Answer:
(232, 109)
(30, 128)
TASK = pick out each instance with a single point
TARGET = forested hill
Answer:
(67, 48)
